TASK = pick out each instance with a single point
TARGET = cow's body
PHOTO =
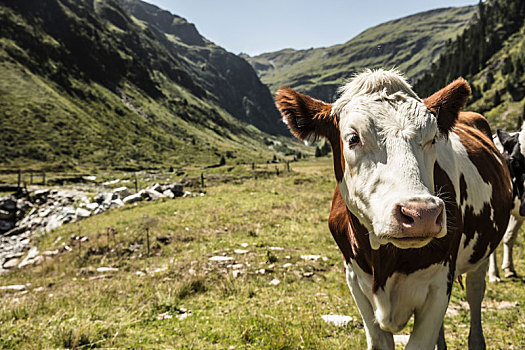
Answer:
(394, 266)
(514, 153)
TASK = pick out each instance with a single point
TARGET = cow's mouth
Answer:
(411, 241)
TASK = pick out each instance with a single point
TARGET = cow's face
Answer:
(383, 139)
(514, 154)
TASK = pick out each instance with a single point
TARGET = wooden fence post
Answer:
(18, 188)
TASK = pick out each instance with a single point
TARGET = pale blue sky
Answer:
(261, 26)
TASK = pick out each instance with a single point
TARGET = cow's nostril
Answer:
(407, 219)
(439, 219)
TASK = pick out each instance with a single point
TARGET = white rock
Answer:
(9, 264)
(116, 203)
(182, 316)
(275, 282)
(33, 252)
(311, 257)
(54, 222)
(337, 320)
(111, 182)
(159, 269)
(276, 248)
(240, 251)
(92, 206)
(156, 187)
(287, 265)
(236, 273)
(121, 192)
(221, 258)
(107, 269)
(244, 245)
(50, 252)
(82, 213)
(14, 287)
(168, 193)
(89, 178)
(164, 316)
(132, 199)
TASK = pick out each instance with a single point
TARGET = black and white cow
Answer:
(512, 145)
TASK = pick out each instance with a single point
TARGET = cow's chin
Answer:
(404, 242)
(410, 242)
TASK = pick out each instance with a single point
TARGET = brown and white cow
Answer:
(420, 200)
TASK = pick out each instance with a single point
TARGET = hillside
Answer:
(411, 44)
(490, 54)
(123, 84)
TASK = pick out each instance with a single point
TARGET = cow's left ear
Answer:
(507, 141)
(306, 116)
(447, 102)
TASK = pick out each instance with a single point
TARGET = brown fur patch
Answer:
(447, 102)
(476, 121)
(306, 117)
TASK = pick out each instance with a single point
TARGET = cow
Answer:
(420, 199)
(512, 145)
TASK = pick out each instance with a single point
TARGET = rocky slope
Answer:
(122, 84)
(411, 44)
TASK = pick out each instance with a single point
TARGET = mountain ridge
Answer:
(87, 83)
(400, 43)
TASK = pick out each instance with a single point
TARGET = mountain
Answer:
(123, 84)
(411, 44)
(490, 54)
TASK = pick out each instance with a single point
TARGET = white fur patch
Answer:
(453, 158)
(402, 294)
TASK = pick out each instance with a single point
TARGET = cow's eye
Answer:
(434, 140)
(353, 140)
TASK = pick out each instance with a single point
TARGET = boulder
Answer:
(8, 204)
(99, 197)
(116, 203)
(121, 192)
(132, 199)
(177, 189)
(156, 187)
(6, 225)
(82, 213)
(168, 193)
(92, 206)
(6, 215)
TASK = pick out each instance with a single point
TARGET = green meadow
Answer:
(250, 264)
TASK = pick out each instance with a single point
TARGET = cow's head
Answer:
(383, 138)
(514, 154)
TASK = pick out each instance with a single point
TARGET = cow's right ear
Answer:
(508, 142)
(306, 116)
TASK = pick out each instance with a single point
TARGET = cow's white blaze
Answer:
(394, 160)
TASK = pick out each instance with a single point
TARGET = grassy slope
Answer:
(411, 44)
(68, 305)
(81, 120)
(508, 114)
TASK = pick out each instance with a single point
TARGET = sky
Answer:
(254, 27)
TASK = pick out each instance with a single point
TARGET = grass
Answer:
(277, 219)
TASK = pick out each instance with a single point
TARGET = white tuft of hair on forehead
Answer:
(381, 83)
